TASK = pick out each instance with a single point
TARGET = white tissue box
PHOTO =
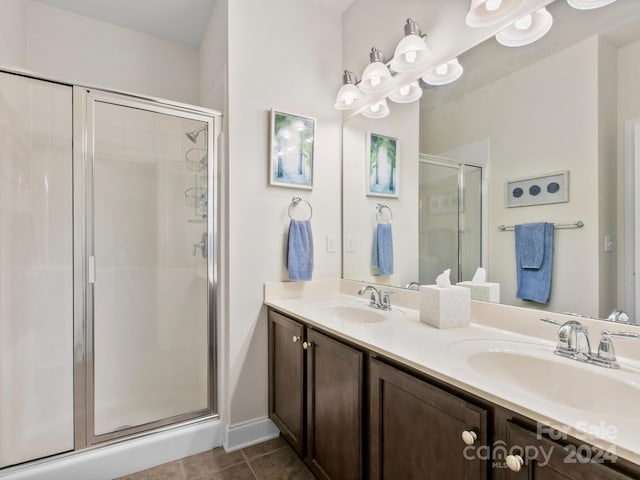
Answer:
(486, 292)
(446, 307)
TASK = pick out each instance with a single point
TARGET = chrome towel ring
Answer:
(379, 215)
(294, 203)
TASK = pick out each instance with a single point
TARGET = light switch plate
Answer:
(332, 242)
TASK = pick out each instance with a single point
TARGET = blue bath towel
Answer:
(300, 250)
(383, 249)
(534, 259)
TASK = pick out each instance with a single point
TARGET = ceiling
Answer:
(181, 21)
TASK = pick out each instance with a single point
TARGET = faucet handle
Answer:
(606, 352)
(386, 302)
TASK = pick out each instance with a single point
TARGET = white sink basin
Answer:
(353, 312)
(356, 314)
(538, 372)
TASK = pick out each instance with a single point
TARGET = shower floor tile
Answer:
(270, 460)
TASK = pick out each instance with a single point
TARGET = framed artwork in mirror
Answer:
(382, 165)
(541, 190)
(291, 150)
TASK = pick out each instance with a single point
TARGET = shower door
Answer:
(148, 265)
(450, 219)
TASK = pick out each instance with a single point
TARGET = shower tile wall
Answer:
(151, 291)
(36, 296)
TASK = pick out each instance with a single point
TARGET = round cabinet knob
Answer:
(469, 437)
(306, 345)
(514, 462)
(295, 338)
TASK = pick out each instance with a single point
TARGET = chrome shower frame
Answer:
(84, 100)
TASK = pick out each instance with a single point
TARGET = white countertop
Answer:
(438, 353)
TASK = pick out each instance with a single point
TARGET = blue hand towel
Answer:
(530, 242)
(383, 249)
(300, 250)
(534, 282)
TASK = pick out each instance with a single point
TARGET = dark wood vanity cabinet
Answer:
(316, 397)
(395, 423)
(544, 459)
(416, 429)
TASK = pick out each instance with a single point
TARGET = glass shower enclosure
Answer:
(107, 266)
(450, 218)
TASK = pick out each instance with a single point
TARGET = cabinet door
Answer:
(545, 459)
(334, 408)
(416, 429)
(286, 378)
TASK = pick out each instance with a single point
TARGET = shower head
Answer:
(193, 135)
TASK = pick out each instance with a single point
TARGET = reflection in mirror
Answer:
(449, 218)
(558, 105)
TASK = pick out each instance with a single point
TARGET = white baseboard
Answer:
(247, 434)
(105, 463)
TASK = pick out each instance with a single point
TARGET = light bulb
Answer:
(348, 99)
(375, 80)
(375, 107)
(411, 56)
(299, 125)
(442, 69)
(405, 90)
(524, 23)
(492, 5)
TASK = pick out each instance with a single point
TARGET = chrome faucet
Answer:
(412, 286)
(573, 342)
(375, 301)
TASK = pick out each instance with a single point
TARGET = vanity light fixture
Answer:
(377, 110)
(376, 77)
(483, 13)
(589, 4)
(445, 73)
(349, 96)
(526, 29)
(412, 52)
(407, 93)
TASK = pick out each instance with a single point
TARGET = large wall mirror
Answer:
(569, 103)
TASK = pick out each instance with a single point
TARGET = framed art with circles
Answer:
(541, 190)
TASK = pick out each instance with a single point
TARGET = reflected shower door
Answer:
(151, 328)
(450, 219)
(438, 221)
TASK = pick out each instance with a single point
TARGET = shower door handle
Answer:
(91, 273)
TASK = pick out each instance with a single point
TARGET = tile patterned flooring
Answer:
(270, 460)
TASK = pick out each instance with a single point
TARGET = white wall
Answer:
(214, 60)
(285, 54)
(569, 105)
(12, 38)
(78, 49)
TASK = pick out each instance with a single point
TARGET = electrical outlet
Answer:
(332, 244)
